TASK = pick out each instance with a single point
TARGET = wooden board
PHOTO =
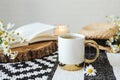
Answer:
(32, 51)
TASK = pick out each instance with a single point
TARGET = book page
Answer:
(35, 30)
(43, 38)
(18, 44)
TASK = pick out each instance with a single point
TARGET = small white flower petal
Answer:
(90, 71)
(14, 55)
(93, 74)
(10, 25)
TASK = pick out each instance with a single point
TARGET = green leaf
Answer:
(1, 40)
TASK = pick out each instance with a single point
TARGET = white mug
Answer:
(71, 50)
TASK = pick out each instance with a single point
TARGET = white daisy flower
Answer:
(13, 55)
(7, 51)
(109, 43)
(6, 33)
(10, 25)
(5, 43)
(7, 37)
(115, 48)
(111, 39)
(1, 32)
(116, 38)
(90, 71)
(2, 28)
(22, 40)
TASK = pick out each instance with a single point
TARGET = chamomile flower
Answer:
(12, 39)
(7, 51)
(22, 40)
(13, 55)
(1, 32)
(5, 33)
(114, 41)
(115, 48)
(111, 39)
(109, 43)
(6, 47)
(8, 37)
(90, 71)
(10, 25)
(5, 43)
(2, 26)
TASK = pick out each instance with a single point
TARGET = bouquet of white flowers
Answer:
(114, 42)
(7, 37)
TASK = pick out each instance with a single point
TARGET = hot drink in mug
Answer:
(71, 50)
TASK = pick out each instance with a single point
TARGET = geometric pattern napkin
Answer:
(37, 69)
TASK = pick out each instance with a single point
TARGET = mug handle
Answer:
(95, 45)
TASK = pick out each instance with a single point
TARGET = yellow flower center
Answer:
(5, 42)
(3, 26)
(6, 33)
(5, 36)
(9, 39)
(90, 71)
(119, 46)
(13, 39)
(17, 33)
(8, 50)
(15, 56)
(1, 32)
(12, 32)
(6, 47)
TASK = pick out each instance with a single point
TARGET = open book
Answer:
(34, 33)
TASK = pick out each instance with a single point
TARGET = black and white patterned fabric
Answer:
(37, 69)
(44, 68)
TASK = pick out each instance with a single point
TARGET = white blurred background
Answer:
(75, 13)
